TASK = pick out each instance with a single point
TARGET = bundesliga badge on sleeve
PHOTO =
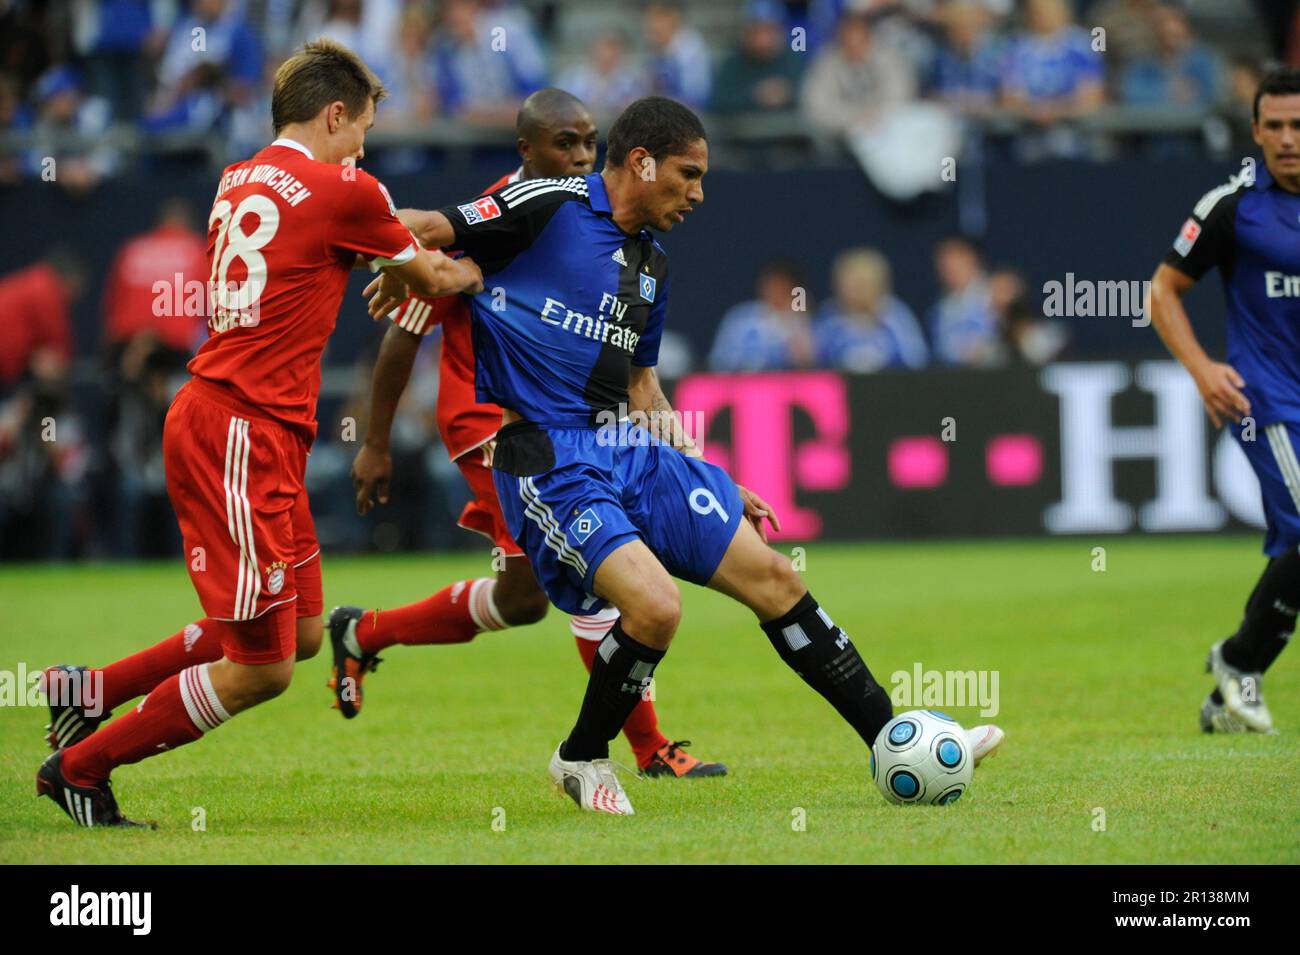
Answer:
(480, 210)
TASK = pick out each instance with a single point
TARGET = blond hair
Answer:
(865, 270)
(323, 72)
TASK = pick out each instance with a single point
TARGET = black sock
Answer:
(1270, 617)
(822, 654)
(620, 673)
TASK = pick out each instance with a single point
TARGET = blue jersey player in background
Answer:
(1250, 229)
(566, 337)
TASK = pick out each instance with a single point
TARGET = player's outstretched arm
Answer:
(373, 466)
(432, 229)
(1218, 382)
(430, 274)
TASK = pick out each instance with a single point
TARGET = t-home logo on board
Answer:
(134, 909)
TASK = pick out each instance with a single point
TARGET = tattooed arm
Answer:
(646, 395)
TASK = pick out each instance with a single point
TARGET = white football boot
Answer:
(592, 784)
(984, 741)
(1243, 697)
(1215, 718)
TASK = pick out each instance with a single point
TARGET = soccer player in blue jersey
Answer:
(566, 337)
(1250, 229)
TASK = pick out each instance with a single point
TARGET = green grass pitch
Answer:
(1100, 678)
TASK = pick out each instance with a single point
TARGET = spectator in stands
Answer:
(608, 81)
(421, 512)
(1244, 75)
(409, 75)
(763, 72)
(771, 332)
(486, 64)
(968, 66)
(864, 328)
(42, 453)
(145, 378)
(116, 40)
(1051, 74)
(908, 27)
(26, 40)
(369, 27)
(14, 117)
(36, 318)
(902, 20)
(212, 63)
(1130, 30)
(63, 110)
(679, 57)
(157, 286)
(43, 458)
(1179, 72)
(1027, 338)
(856, 81)
(963, 325)
(155, 312)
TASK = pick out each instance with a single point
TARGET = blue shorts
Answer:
(573, 495)
(1272, 454)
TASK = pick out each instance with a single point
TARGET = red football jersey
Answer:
(283, 235)
(174, 256)
(463, 423)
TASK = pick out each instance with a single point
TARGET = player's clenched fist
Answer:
(472, 282)
(371, 471)
(1220, 387)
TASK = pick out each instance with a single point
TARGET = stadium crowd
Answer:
(72, 70)
(981, 319)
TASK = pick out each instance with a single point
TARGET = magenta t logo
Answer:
(762, 454)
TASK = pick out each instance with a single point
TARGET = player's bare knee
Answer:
(311, 631)
(519, 610)
(654, 617)
(240, 686)
(772, 586)
(787, 586)
(268, 682)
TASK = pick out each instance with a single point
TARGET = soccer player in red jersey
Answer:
(286, 228)
(556, 137)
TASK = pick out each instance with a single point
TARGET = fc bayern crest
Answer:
(275, 578)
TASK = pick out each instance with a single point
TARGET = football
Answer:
(921, 757)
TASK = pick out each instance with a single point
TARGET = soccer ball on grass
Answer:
(921, 756)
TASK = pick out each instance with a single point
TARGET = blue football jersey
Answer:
(570, 301)
(1251, 231)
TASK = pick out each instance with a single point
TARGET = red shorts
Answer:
(483, 514)
(235, 479)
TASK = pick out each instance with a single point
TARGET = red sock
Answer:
(452, 615)
(642, 727)
(177, 711)
(139, 673)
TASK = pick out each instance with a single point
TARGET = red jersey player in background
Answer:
(286, 228)
(557, 137)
